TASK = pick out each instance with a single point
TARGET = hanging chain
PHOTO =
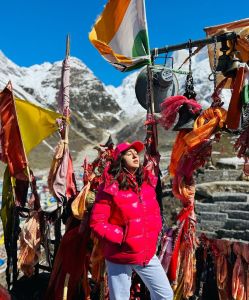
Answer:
(189, 84)
(216, 96)
(214, 73)
(215, 62)
(190, 58)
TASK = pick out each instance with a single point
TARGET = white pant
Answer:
(153, 276)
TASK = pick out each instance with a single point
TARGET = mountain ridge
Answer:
(96, 109)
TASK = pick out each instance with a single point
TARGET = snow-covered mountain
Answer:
(93, 109)
(126, 97)
(96, 109)
(40, 83)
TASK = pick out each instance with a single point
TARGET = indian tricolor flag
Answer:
(120, 34)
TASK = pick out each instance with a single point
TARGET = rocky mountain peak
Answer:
(96, 109)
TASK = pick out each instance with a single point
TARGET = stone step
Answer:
(207, 189)
(223, 206)
(229, 197)
(233, 234)
(242, 235)
(235, 224)
(216, 175)
(230, 163)
(208, 234)
(238, 214)
(203, 207)
(210, 225)
(212, 216)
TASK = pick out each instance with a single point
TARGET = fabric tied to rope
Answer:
(205, 125)
(79, 204)
(235, 105)
(166, 249)
(72, 259)
(245, 255)
(182, 265)
(190, 152)
(61, 181)
(30, 238)
(222, 269)
(238, 280)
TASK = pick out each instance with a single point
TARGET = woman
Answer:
(126, 217)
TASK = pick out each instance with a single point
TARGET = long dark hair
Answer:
(117, 170)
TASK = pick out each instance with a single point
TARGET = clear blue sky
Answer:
(34, 31)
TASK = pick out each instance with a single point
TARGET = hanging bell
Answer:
(224, 59)
(232, 66)
(186, 118)
(228, 64)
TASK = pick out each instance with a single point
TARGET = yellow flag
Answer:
(35, 123)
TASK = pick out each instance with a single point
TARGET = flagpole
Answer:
(68, 46)
(151, 109)
(64, 135)
(66, 112)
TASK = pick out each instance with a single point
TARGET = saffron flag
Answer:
(120, 34)
(12, 150)
(35, 123)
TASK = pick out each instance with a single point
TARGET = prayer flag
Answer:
(11, 145)
(35, 123)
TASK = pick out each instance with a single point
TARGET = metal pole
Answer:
(66, 116)
(151, 105)
(68, 46)
(218, 38)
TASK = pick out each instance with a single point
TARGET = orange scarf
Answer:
(205, 125)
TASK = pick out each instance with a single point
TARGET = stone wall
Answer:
(222, 207)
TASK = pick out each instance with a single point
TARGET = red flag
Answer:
(12, 150)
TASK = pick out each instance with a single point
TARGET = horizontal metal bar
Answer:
(219, 38)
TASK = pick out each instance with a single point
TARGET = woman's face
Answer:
(131, 160)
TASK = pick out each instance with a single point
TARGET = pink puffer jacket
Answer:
(128, 223)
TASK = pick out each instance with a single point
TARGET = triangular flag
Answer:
(35, 123)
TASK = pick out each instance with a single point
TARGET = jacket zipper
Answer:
(142, 204)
